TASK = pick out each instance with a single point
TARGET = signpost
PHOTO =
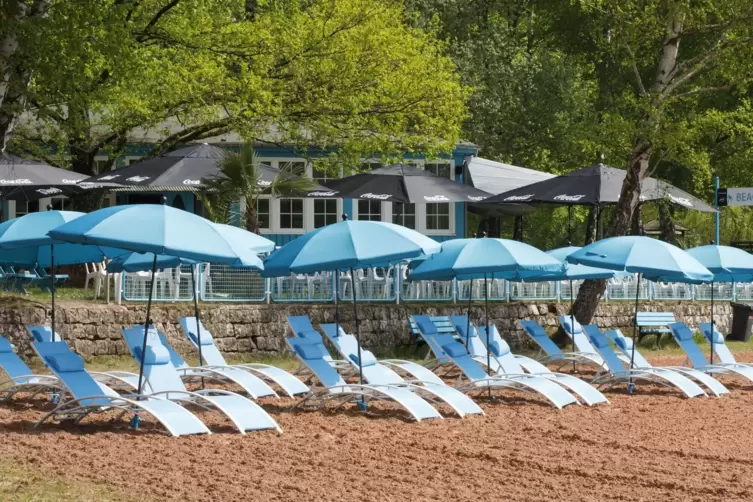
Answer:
(735, 197)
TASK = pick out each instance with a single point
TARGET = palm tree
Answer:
(240, 178)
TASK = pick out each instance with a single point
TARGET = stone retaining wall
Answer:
(95, 329)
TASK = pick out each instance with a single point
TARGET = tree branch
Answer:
(637, 73)
(155, 19)
(706, 90)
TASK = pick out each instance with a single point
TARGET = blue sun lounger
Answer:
(308, 349)
(20, 378)
(625, 345)
(504, 362)
(253, 386)
(447, 350)
(553, 354)
(684, 338)
(619, 374)
(721, 350)
(121, 380)
(302, 324)
(214, 359)
(376, 373)
(84, 396)
(164, 380)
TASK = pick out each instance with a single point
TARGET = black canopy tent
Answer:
(403, 183)
(595, 185)
(25, 179)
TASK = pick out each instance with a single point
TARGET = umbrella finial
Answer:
(49, 207)
(164, 200)
(345, 217)
(711, 242)
(569, 243)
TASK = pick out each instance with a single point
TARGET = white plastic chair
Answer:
(94, 272)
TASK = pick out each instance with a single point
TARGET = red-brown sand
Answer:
(653, 445)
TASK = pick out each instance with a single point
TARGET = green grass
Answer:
(28, 485)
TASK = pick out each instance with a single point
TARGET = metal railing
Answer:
(220, 283)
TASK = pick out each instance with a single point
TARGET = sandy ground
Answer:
(653, 445)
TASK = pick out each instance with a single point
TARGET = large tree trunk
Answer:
(591, 225)
(667, 231)
(636, 224)
(592, 290)
(14, 74)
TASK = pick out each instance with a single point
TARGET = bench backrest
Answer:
(443, 323)
(651, 319)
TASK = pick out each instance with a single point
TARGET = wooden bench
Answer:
(443, 324)
(653, 323)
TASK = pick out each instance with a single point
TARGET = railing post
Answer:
(454, 287)
(268, 290)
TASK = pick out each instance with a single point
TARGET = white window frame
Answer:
(308, 203)
(420, 208)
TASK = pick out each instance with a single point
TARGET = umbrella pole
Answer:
(711, 356)
(337, 305)
(468, 326)
(146, 326)
(196, 312)
(52, 287)
(631, 386)
(358, 331)
(488, 347)
(572, 321)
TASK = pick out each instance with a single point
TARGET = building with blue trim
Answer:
(282, 220)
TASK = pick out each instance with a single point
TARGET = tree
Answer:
(345, 73)
(240, 178)
(683, 81)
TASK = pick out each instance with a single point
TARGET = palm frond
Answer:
(290, 181)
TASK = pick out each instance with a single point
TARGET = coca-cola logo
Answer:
(377, 196)
(192, 182)
(569, 198)
(322, 194)
(137, 179)
(263, 183)
(476, 198)
(49, 191)
(519, 197)
(69, 182)
(436, 198)
(109, 177)
(20, 181)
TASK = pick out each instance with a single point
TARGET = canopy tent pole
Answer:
(146, 326)
(569, 224)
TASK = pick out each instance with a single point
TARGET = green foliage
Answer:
(560, 85)
(349, 73)
(240, 178)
